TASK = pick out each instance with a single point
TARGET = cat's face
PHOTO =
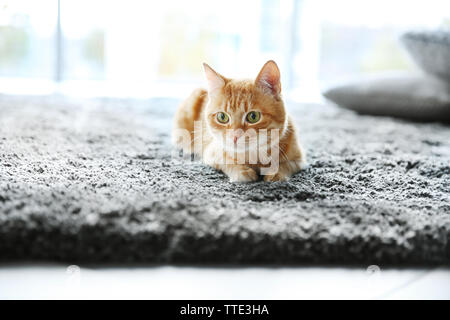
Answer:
(241, 114)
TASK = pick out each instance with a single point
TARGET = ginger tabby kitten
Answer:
(240, 127)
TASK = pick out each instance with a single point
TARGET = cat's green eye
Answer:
(222, 117)
(253, 116)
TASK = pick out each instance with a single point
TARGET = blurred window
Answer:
(147, 43)
(27, 38)
(84, 26)
(364, 40)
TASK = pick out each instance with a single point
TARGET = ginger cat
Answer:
(240, 127)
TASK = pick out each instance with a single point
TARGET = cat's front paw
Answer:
(276, 177)
(244, 175)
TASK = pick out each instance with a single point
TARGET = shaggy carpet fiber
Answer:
(97, 181)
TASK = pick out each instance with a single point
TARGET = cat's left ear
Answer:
(269, 78)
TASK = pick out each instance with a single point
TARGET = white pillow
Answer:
(414, 97)
(430, 50)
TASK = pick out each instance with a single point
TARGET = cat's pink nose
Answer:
(236, 135)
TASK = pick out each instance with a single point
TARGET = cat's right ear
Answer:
(215, 81)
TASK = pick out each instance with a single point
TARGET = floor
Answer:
(56, 281)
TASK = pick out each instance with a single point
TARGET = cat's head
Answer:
(240, 110)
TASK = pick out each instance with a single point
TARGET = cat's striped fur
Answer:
(237, 98)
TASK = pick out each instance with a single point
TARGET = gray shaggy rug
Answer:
(95, 181)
